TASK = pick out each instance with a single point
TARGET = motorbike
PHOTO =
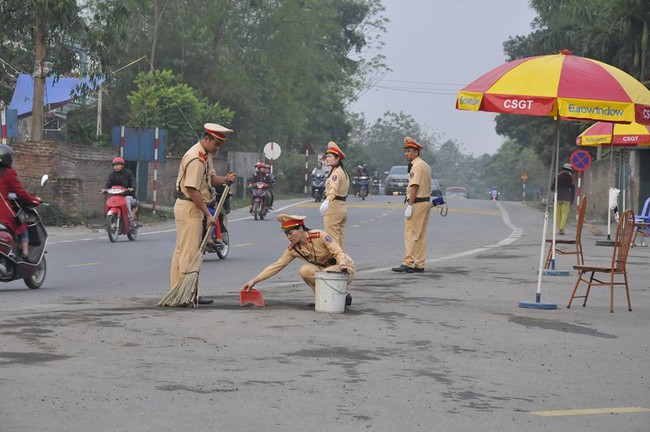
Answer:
(375, 189)
(33, 270)
(260, 200)
(494, 195)
(318, 187)
(117, 221)
(220, 243)
(362, 186)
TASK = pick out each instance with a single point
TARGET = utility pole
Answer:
(39, 80)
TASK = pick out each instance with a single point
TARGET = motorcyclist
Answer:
(263, 174)
(319, 170)
(361, 170)
(9, 183)
(121, 176)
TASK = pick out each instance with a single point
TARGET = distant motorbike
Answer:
(117, 220)
(32, 271)
(260, 198)
(494, 195)
(220, 243)
(376, 186)
(318, 187)
(362, 186)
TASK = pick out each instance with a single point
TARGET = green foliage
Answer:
(160, 101)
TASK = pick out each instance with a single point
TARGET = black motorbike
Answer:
(318, 187)
(33, 269)
(220, 243)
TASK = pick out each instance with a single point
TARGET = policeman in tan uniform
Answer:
(418, 209)
(196, 175)
(318, 248)
(333, 208)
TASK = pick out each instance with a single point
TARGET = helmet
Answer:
(364, 166)
(118, 160)
(567, 166)
(258, 166)
(6, 156)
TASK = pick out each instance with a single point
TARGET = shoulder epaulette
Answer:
(313, 234)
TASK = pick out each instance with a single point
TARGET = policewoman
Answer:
(418, 209)
(333, 208)
(316, 247)
(196, 175)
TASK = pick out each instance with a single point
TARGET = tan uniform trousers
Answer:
(415, 235)
(334, 221)
(189, 221)
(308, 274)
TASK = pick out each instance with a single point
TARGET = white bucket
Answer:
(331, 289)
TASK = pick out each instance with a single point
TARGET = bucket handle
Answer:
(327, 283)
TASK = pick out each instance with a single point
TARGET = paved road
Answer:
(448, 350)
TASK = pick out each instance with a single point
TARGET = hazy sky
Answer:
(436, 47)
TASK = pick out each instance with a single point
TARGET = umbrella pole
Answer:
(537, 304)
(609, 241)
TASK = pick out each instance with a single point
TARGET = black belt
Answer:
(417, 200)
(339, 198)
(181, 196)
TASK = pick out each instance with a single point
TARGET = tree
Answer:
(41, 24)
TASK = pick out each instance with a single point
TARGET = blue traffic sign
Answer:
(580, 160)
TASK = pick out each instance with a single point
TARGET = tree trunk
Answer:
(39, 80)
(644, 51)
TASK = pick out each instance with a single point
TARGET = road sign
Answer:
(272, 150)
(580, 160)
(524, 176)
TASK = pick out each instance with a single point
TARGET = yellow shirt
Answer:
(337, 184)
(319, 250)
(196, 171)
(420, 175)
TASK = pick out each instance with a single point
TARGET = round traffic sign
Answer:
(580, 160)
(272, 150)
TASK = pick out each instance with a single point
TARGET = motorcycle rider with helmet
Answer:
(263, 174)
(9, 183)
(121, 176)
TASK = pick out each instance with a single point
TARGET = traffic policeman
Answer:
(317, 247)
(418, 209)
(333, 208)
(196, 175)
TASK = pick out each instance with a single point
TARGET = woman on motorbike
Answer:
(333, 208)
(9, 183)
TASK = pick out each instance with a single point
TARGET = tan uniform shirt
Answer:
(320, 249)
(195, 171)
(337, 184)
(420, 175)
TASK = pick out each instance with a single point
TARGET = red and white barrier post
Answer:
(155, 171)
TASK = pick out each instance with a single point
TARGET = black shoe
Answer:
(311, 305)
(402, 269)
(22, 257)
(205, 301)
(418, 269)
(348, 300)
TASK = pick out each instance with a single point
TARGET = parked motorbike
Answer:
(260, 200)
(362, 186)
(220, 237)
(32, 271)
(117, 220)
(318, 187)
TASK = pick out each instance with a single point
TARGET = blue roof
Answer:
(58, 92)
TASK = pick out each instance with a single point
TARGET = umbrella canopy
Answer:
(605, 133)
(570, 86)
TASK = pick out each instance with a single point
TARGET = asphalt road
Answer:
(447, 350)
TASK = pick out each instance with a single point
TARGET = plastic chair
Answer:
(624, 231)
(642, 222)
(577, 241)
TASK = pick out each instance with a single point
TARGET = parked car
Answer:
(398, 178)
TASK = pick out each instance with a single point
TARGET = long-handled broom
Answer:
(186, 292)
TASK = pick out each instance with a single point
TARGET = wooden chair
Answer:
(624, 231)
(577, 241)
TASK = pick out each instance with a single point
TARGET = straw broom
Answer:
(186, 292)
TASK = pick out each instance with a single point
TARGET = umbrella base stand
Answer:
(556, 272)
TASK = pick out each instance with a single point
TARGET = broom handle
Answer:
(217, 211)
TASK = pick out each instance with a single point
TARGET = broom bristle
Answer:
(184, 294)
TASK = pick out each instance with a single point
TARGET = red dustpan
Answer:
(253, 297)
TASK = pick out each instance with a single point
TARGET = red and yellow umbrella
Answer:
(570, 86)
(618, 134)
